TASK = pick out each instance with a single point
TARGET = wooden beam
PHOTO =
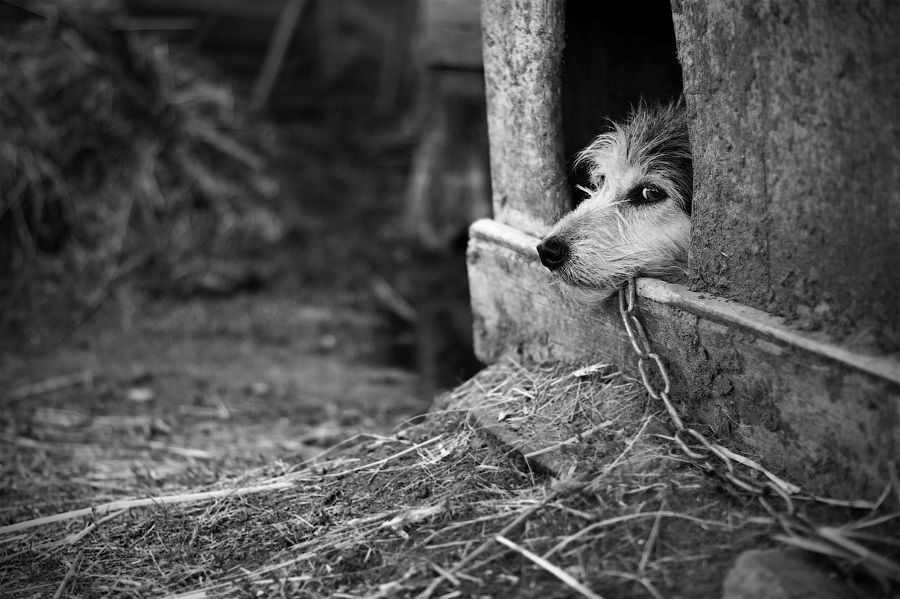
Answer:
(257, 9)
(795, 133)
(451, 34)
(806, 407)
(523, 42)
(284, 32)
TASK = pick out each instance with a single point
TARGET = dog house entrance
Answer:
(615, 55)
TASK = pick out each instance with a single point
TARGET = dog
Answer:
(636, 218)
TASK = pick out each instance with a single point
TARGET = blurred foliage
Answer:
(116, 156)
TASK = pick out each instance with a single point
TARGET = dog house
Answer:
(786, 342)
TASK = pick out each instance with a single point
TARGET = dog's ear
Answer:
(661, 133)
(597, 155)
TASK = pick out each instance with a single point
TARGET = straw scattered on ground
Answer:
(434, 510)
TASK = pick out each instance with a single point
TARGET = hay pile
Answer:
(115, 156)
(435, 510)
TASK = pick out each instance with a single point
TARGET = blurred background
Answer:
(230, 230)
(160, 152)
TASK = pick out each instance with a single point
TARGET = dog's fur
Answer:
(636, 218)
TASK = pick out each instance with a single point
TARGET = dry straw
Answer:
(441, 510)
(115, 156)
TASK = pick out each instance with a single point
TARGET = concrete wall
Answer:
(795, 127)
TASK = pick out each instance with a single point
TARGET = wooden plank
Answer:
(804, 406)
(486, 419)
(449, 186)
(232, 8)
(451, 33)
(396, 54)
(796, 143)
(523, 42)
(287, 24)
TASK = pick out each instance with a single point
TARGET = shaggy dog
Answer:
(636, 218)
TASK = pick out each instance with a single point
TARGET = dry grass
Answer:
(435, 510)
(116, 156)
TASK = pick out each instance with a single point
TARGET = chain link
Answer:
(723, 463)
(641, 345)
(710, 456)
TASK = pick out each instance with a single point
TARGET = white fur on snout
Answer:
(610, 242)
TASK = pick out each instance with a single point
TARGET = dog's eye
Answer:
(653, 194)
(649, 194)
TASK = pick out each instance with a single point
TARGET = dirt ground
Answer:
(326, 324)
(162, 387)
(422, 510)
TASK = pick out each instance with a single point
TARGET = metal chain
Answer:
(723, 463)
(710, 456)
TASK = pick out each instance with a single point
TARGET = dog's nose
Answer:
(553, 252)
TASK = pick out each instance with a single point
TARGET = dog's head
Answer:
(636, 218)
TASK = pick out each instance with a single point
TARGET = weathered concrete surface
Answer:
(825, 417)
(795, 127)
(523, 41)
(781, 574)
